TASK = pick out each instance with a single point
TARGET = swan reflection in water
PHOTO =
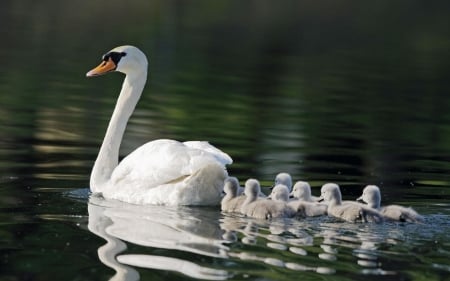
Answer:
(313, 245)
(190, 230)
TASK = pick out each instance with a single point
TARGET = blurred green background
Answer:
(353, 92)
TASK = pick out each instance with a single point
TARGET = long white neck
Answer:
(108, 157)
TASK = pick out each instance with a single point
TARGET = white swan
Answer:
(262, 208)
(347, 210)
(372, 196)
(164, 172)
(303, 208)
(302, 191)
(233, 199)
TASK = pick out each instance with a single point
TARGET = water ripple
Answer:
(202, 243)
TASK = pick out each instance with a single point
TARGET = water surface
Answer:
(352, 93)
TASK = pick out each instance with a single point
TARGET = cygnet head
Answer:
(252, 189)
(284, 178)
(372, 196)
(280, 193)
(126, 59)
(231, 186)
(302, 191)
(331, 193)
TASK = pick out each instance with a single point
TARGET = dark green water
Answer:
(346, 92)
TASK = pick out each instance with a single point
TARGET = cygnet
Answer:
(347, 210)
(302, 208)
(372, 196)
(283, 178)
(262, 208)
(302, 191)
(233, 199)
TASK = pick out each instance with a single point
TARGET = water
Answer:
(353, 93)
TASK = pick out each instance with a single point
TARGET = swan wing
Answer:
(165, 161)
(221, 156)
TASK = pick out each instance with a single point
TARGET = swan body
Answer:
(372, 196)
(302, 191)
(262, 208)
(302, 208)
(233, 199)
(163, 172)
(347, 210)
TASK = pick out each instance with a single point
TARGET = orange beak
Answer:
(104, 67)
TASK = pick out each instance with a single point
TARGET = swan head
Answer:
(301, 190)
(372, 196)
(331, 193)
(126, 59)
